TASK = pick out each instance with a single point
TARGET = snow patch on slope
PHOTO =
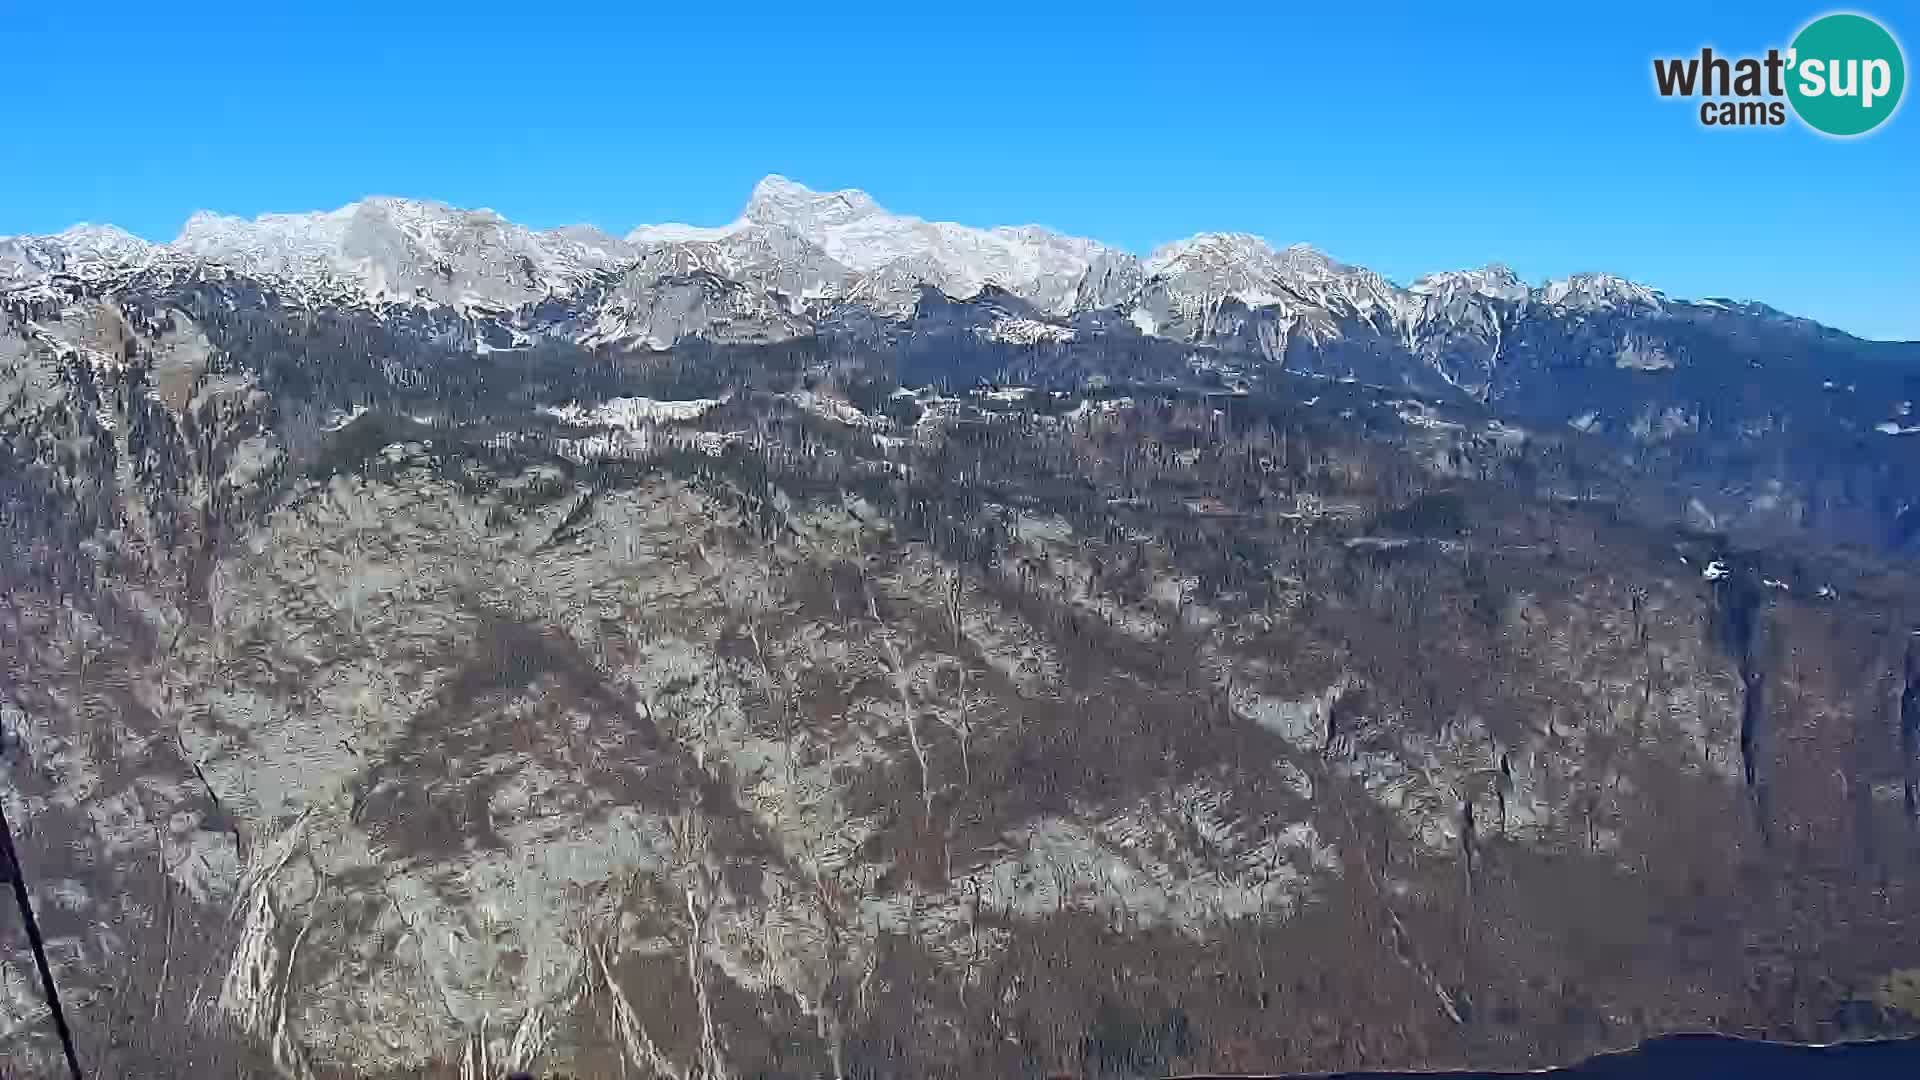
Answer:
(632, 412)
(1016, 331)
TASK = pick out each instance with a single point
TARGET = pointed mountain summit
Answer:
(777, 200)
(1295, 279)
(1586, 291)
(1493, 281)
(83, 251)
(1035, 263)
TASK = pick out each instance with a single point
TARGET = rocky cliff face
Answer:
(612, 685)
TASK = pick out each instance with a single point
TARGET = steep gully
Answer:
(1739, 609)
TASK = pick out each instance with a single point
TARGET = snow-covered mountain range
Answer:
(802, 249)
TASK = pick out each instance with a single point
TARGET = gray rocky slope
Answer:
(403, 681)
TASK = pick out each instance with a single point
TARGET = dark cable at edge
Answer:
(10, 862)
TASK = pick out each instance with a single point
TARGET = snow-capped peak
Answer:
(1494, 281)
(415, 249)
(105, 243)
(777, 200)
(1587, 291)
(83, 251)
(1039, 265)
(1247, 268)
(1228, 251)
(269, 244)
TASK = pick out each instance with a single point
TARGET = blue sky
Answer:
(1405, 137)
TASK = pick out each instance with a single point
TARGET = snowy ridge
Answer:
(1589, 291)
(408, 249)
(1246, 268)
(1036, 264)
(844, 243)
(1493, 281)
(83, 251)
(103, 244)
(794, 249)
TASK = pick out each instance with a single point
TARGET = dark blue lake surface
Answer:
(1712, 1057)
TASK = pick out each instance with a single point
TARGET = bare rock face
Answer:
(657, 312)
(710, 704)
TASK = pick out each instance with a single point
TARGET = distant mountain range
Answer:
(1757, 415)
(810, 248)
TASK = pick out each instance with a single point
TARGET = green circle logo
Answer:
(1845, 75)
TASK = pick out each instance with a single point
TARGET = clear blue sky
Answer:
(1406, 137)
